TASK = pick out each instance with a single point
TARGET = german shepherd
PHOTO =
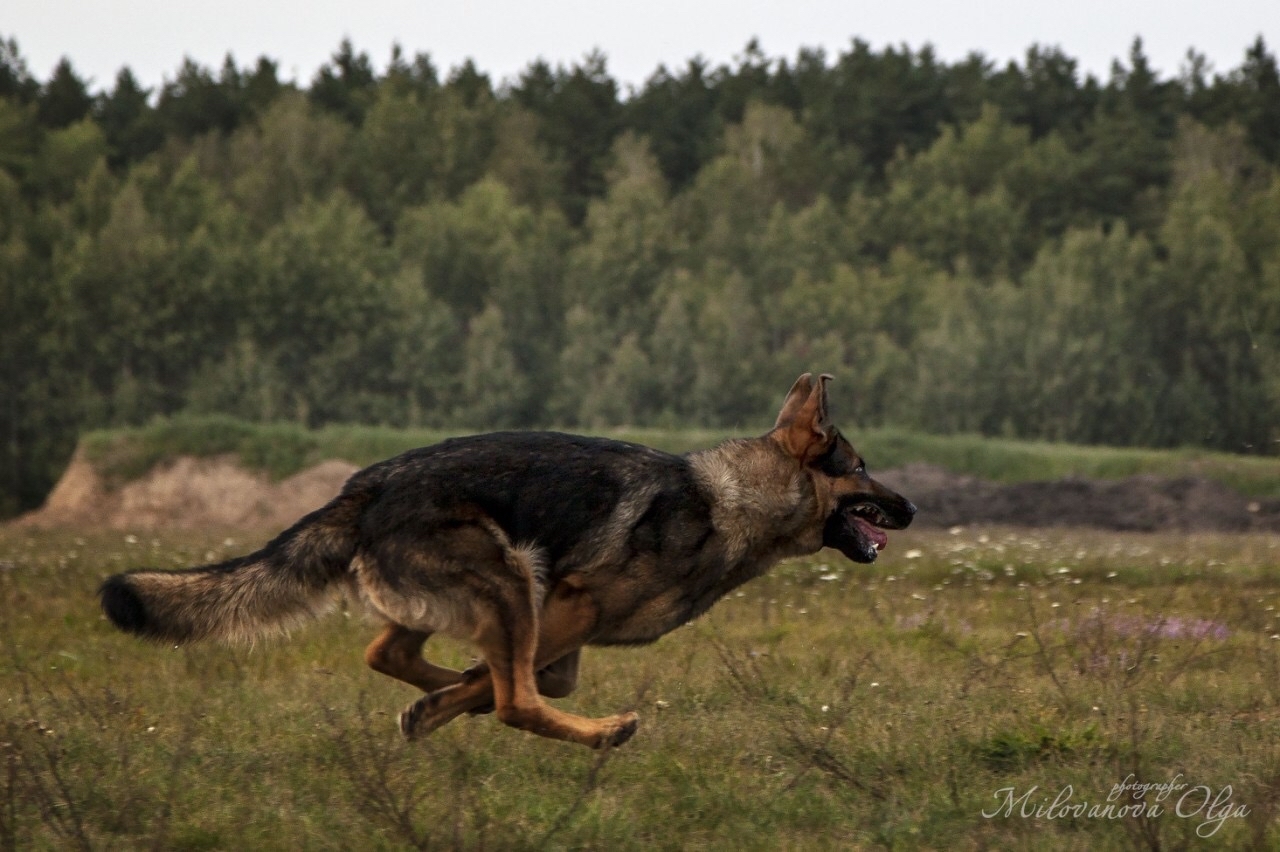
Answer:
(531, 545)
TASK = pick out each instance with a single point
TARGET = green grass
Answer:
(826, 706)
(284, 449)
(279, 449)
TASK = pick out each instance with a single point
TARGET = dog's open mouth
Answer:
(869, 521)
(857, 531)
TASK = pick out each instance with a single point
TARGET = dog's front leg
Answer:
(561, 677)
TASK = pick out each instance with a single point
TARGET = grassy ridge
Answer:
(1004, 460)
(826, 706)
(284, 449)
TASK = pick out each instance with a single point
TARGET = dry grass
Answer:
(826, 706)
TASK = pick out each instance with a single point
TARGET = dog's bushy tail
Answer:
(285, 582)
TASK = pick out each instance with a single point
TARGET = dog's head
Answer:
(855, 509)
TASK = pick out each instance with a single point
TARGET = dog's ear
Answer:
(804, 427)
(796, 397)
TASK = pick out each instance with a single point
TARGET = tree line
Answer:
(1018, 250)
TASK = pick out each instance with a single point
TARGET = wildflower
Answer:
(1195, 628)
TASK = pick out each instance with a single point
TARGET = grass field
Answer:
(979, 688)
(283, 449)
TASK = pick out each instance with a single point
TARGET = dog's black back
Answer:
(549, 490)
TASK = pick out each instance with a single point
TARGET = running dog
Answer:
(532, 545)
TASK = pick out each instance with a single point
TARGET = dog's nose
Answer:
(911, 510)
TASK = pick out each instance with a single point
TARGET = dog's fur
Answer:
(532, 545)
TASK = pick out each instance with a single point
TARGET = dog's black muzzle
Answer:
(857, 526)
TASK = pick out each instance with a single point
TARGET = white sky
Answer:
(503, 36)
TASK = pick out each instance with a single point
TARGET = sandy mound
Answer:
(188, 493)
(191, 493)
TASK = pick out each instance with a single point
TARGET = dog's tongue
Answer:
(873, 533)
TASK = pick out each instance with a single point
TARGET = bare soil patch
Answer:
(1137, 503)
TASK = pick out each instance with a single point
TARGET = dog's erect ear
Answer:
(796, 397)
(804, 428)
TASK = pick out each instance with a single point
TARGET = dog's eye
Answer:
(861, 469)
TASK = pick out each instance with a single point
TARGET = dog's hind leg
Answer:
(509, 683)
(397, 652)
(554, 681)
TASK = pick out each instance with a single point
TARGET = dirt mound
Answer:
(1138, 503)
(188, 493)
(191, 493)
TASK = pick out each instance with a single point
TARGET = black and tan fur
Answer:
(531, 546)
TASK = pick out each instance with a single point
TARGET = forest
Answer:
(1021, 250)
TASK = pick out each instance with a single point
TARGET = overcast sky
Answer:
(503, 36)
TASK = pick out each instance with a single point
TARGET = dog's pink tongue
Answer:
(872, 532)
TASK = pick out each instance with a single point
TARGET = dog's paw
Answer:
(409, 719)
(623, 729)
(427, 714)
